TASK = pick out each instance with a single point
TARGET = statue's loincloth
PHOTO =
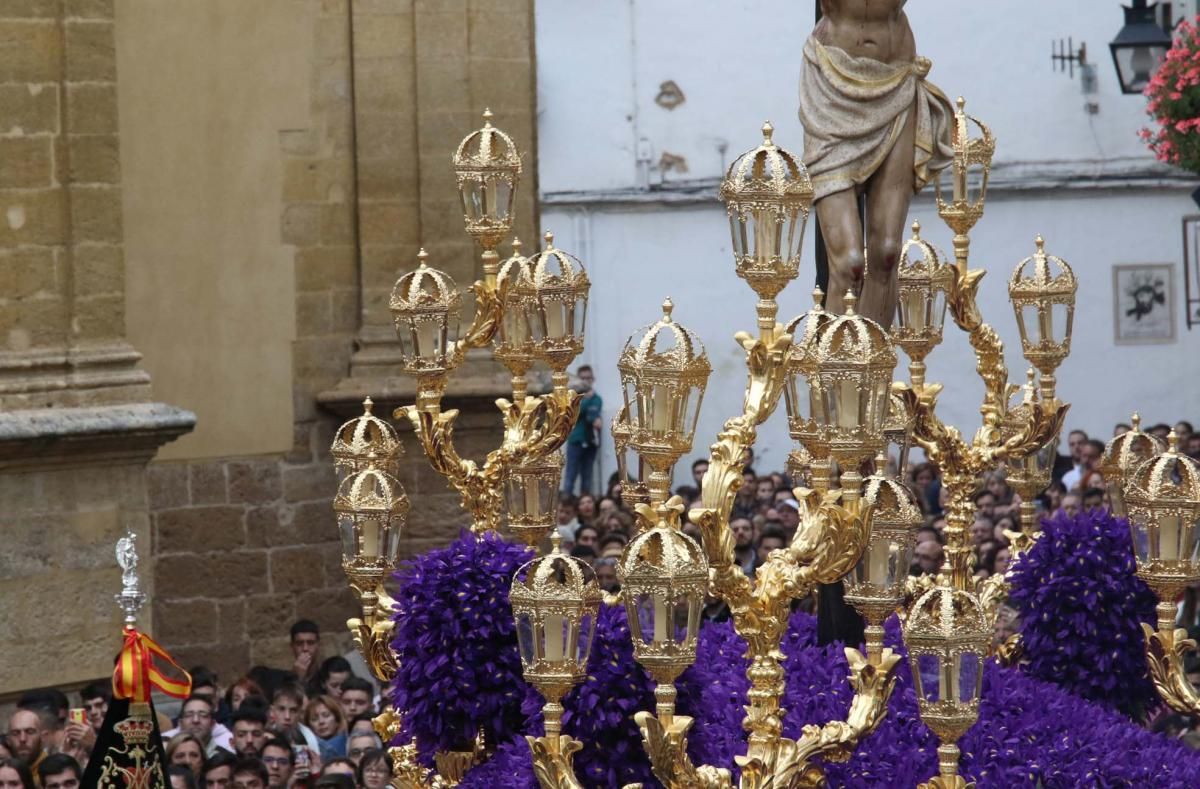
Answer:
(854, 109)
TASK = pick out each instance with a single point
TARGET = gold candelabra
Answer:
(834, 373)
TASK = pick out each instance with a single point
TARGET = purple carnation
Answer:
(713, 691)
(456, 642)
(1082, 606)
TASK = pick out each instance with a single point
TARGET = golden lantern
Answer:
(555, 298)
(961, 205)
(487, 168)
(767, 195)
(555, 600)
(664, 578)
(371, 507)
(630, 468)
(799, 366)
(363, 438)
(947, 636)
(876, 586)
(1042, 291)
(513, 344)
(664, 371)
(853, 362)
(1122, 455)
(1163, 498)
(425, 306)
(531, 497)
(924, 282)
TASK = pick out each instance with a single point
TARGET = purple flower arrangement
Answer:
(460, 671)
(456, 642)
(1082, 606)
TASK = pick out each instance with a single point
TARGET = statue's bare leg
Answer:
(889, 192)
(843, 234)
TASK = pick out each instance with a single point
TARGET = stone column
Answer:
(76, 423)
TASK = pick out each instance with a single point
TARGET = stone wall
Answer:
(76, 424)
(245, 545)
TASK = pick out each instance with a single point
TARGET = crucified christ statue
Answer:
(872, 126)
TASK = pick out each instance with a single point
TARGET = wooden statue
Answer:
(873, 126)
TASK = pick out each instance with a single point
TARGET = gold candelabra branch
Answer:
(532, 430)
(372, 631)
(1165, 651)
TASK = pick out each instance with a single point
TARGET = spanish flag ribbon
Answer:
(136, 672)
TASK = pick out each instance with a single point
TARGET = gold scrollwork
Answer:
(1165, 650)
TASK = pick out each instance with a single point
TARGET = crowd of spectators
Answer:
(306, 726)
(310, 725)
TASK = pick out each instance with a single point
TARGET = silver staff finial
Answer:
(131, 599)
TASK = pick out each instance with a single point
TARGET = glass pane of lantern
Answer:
(928, 677)
(970, 677)
(504, 195)
(937, 311)
(1036, 323)
(737, 231)
(912, 309)
(658, 413)
(1141, 538)
(578, 316)
(795, 232)
(1192, 542)
(1061, 320)
(845, 404)
(1170, 537)
(643, 626)
(694, 417)
(795, 393)
(819, 406)
(525, 638)
(370, 534)
(583, 641)
(555, 635)
(535, 319)
(473, 199)
(514, 325)
(391, 550)
(1137, 64)
(556, 318)
(349, 538)
(975, 183)
(681, 612)
(765, 229)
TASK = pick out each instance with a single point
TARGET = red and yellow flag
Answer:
(137, 674)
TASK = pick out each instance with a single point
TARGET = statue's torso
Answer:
(876, 29)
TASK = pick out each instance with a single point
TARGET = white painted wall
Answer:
(599, 68)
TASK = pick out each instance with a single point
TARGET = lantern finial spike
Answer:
(487, 117)
(549, 238)
(767, 131)
(667, 306)
(516, 246)
(916, 228)
(1136, 420)
(851, 302)
(818, 297)
(368, 404)
(1172, 441)
(1041, 244)
(962, 103)
(555, 541)
(422, 256)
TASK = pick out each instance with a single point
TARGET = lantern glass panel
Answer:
(472, 194)
(796, 225)
(819, 405)
(844, 405)
(1116, 498)
(525, 639)
(912, 310)
(1035, 323)
(583, 639)
(767, 229)
(657, 618)
(556, 637)
(795, 393)
(503, 191)
(928, 677)
(530, 497)
(514, 324)
(737, 231)
(1141, 538)
(1136, 65)
(535, 319)
(558, 316)
(346, 527)
(937, 310)
(970, 678)
(1062, 316)
(976, 182)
